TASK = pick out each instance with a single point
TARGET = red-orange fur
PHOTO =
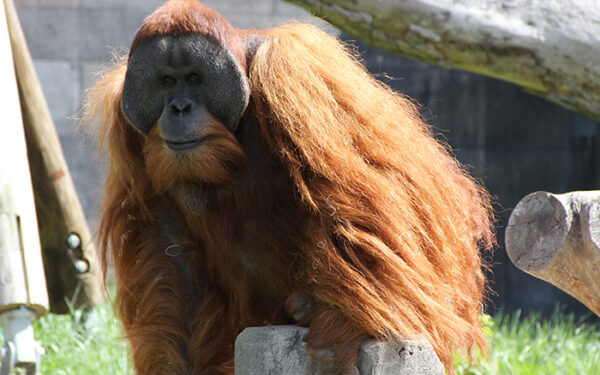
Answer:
(222, 154)
(357, 207)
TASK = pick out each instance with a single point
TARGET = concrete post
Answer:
(276, 350)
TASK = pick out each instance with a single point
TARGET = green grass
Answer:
(561, 345)
(78, 345)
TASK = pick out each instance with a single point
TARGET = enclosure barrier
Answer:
(277, 350)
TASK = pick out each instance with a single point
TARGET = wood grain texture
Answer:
(556, 237)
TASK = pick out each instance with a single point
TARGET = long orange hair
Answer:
(399, 222)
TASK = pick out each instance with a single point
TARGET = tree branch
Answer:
(551, 48)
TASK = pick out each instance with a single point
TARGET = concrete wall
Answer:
(516, 143)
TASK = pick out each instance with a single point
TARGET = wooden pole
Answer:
(21, 269)
(72, 272)
(556, 237)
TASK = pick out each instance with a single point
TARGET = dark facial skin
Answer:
(176, 82)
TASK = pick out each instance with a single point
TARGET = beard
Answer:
(214, 161)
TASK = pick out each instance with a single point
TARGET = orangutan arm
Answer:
(172, 316)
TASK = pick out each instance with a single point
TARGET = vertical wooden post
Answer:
(21, 269)
(69, 253)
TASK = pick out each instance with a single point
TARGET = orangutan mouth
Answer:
(184, 145)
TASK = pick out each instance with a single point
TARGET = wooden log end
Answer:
(593, 223)
(536, 229)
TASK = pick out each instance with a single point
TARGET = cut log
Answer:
(551, 48)
(556, 237)
(72, 273)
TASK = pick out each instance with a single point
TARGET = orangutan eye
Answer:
(193, 78)
(169, 81)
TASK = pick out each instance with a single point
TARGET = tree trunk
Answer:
(550, 48)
